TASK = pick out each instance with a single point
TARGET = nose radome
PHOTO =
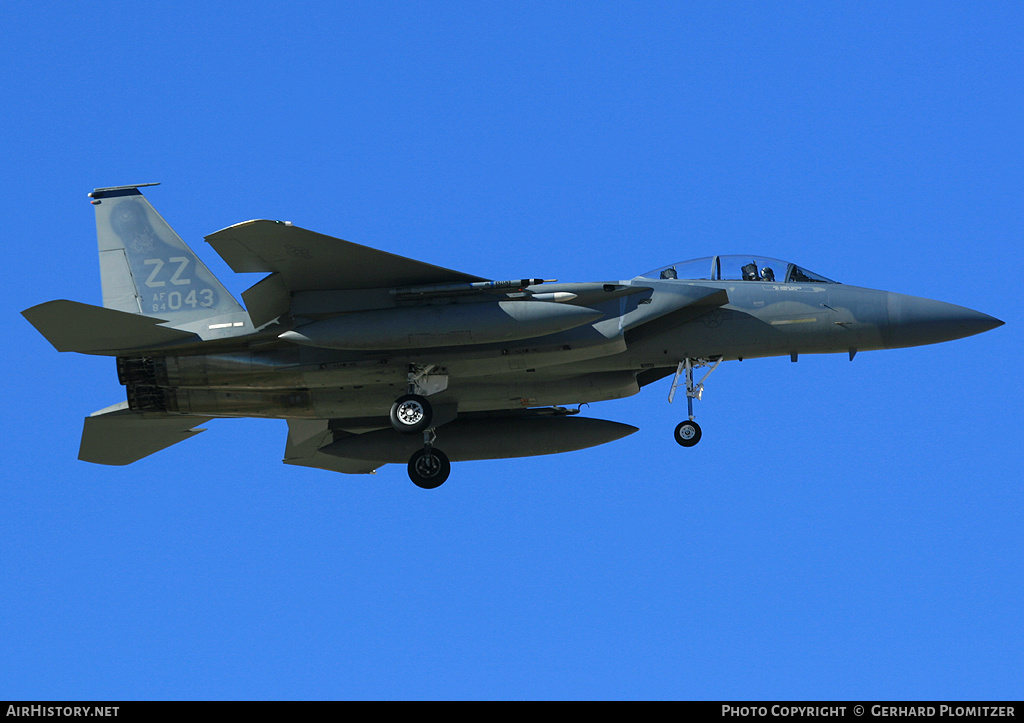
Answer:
(914, 321)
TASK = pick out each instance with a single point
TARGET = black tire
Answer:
(411, 413)
(687, 433)
(429, 468)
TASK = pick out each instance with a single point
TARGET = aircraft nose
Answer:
(914, 321)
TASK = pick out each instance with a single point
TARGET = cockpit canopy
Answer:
(738, 268)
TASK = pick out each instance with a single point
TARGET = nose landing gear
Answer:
(687, 433)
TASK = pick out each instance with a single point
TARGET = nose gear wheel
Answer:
(687, 433)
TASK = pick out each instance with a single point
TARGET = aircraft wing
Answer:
(307, 436)
(310, 261)
(118, 436)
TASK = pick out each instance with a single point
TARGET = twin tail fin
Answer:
(156, 291)
(146, 268)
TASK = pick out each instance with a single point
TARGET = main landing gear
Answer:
(429, 467)
(411, 413)
(688, 432)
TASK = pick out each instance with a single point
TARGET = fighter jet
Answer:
(374, 358)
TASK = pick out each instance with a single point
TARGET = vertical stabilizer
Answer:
(147, 269)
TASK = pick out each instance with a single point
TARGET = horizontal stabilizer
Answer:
(87, 329)
(118, 436)
(310, 261)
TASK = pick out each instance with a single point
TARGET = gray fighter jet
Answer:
(373, 358)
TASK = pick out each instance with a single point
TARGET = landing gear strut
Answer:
(688, 433)
(412, 413)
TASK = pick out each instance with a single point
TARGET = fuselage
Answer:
(644, 327)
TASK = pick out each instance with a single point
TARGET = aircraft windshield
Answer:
(738, 268)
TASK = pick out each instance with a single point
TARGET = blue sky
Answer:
(843, 530)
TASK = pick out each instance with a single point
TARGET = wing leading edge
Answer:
(310, 261)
